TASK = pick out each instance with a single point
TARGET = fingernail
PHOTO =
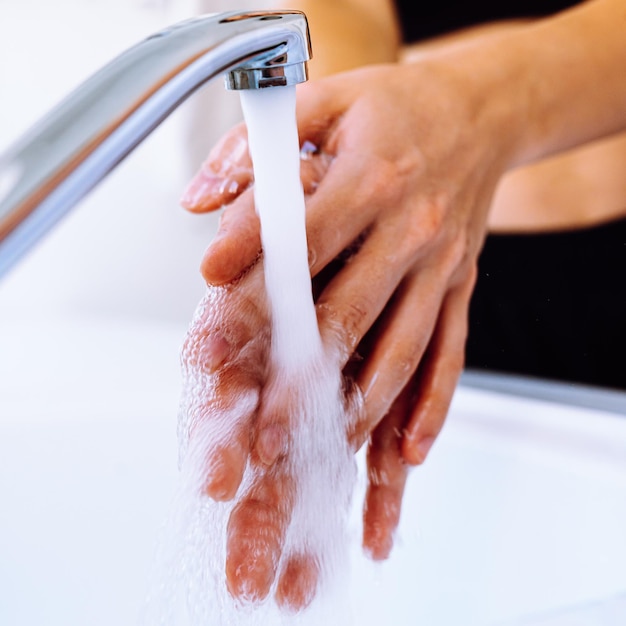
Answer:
(272, 443)
(199, 188)
(422, 448)
(204, 186)
(377, 543)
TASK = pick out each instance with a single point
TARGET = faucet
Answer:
(55, 164)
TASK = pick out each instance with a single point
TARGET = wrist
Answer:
(489, 78)
(477, 102)
(549, 85)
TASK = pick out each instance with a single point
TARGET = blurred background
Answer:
(128, 249)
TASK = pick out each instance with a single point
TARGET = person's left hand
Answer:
(231, 423)
(238, 431)
(403, 167)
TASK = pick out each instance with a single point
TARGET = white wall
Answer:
(128, 249)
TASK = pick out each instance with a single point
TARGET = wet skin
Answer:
(407, 164)
(392, 289)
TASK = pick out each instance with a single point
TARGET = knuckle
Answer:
(433, 215)
(424, 225)
(376, 182)
(380, 182)
(407, 355)
(459, 250)
(229, 327)
(405, 364)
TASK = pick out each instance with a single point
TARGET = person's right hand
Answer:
(404, 165)
(243, 441)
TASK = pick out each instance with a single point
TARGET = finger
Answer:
(224, 361)
(345, 204)
(440, 373)
(225, 174)
(341, 208)
(229, 160)
(350, 190)
(221, 407)
(227, 327)
(236, 245)
(399, 344)
(223, 432)
(227, 171)
(224, 179)
(329, 230)
(238, 241)
(358, 293)
(256, 534)
(298, 582)
(225, 467)
(387, 474)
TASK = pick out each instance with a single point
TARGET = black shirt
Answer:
(552, 305)
(421, 20)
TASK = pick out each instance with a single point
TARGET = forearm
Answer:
(578, 91)
(551, 85)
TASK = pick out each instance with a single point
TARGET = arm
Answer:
(412, 155)
(576, 97)
(558, 81)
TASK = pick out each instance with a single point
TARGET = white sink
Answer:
(518, 517)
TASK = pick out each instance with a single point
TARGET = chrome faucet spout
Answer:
(46, 172)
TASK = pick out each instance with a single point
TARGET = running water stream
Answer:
(299, 380)
(274, 147)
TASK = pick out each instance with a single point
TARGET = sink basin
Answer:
(518, 515)
(87, 460)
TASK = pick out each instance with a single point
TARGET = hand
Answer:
(225, 368)
(404, 167)
(250, 436)
(407, 160)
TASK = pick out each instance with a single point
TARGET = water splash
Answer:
(274, 311)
